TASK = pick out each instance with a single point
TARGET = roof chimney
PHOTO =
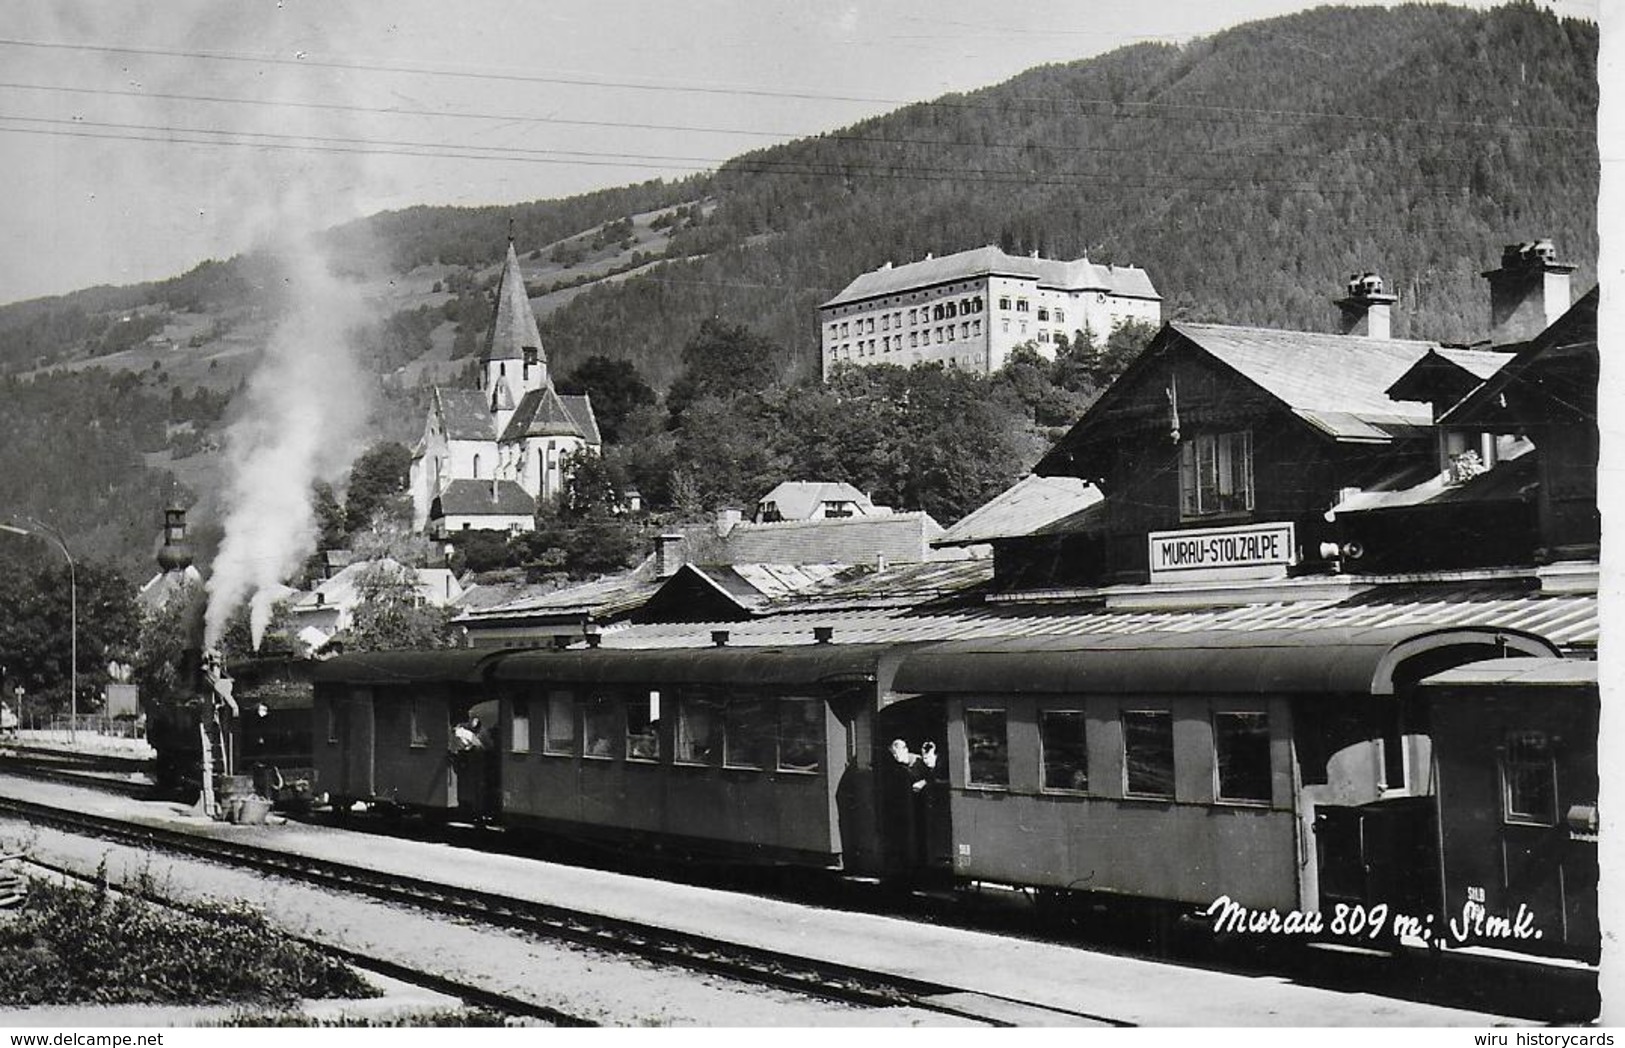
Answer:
(668, 555)
(1528, 292)
(727, 520)
(1366, 309)
(175, 554)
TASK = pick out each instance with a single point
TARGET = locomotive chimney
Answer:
(1528, 292)
(1365, 311)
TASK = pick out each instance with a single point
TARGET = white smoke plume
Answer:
(304, 414)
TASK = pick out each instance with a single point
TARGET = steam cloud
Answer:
(304, 417)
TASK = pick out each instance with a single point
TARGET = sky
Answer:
(140, 139)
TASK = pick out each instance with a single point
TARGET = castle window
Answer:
(1004, 302)
(913, 339)
(1043, 314)
(476, 467)
(1043, 336)
(911, 314)
(1021, 305)
(1060, 316)
(1216, 474)
(950, 311)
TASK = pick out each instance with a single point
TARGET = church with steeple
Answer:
(490, 455)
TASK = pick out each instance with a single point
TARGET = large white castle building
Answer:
(968, 310)
(489, 454)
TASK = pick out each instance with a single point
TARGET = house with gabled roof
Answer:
(1215, 431)
(508, 438)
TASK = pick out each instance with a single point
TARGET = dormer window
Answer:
(1216, 475)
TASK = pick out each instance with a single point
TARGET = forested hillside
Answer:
(1249, 173)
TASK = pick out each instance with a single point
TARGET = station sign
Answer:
(1248, 551)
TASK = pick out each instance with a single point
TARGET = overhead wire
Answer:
(306, 61)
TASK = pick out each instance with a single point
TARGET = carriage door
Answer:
(1385, 852)
(915, 824)
(353, 728)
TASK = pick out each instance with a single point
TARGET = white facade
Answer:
(971, 309)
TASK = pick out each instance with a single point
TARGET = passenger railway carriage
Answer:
(1281, 768)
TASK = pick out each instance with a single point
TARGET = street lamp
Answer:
(46, 531)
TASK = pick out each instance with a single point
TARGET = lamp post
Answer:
(42, 530)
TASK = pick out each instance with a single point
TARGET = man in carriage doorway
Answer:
(904, 784)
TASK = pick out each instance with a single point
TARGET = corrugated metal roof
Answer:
(1076, 275)
(1566, 620)
(903, 585)
(1337, 383)
(1022, 509)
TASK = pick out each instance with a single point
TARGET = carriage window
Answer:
(1529, 778)
(418, 725)
(699, 729)
(801, 735)
(1241, 742)
(601, 728)
(561, 724)
(643, 729)
(1148, 752)
(986, 739)
(333, 723)
(747, 734)
(520, 730)
(1065, 757)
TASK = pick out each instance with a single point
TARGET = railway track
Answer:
(112, 774)
(742, 963)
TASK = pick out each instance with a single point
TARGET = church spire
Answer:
(513, 347)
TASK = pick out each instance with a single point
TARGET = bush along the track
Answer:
(89, 945)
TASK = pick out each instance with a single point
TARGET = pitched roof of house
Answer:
(463, 414)
(514, 325)
(1554, 375)
(1512, 479)
(1443, 376)
(597, 601)
(343, 591)
(1030, 504)
(1337, 383)
(898, 537)
(478, 498)
(802, 499)
(1076, 275)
